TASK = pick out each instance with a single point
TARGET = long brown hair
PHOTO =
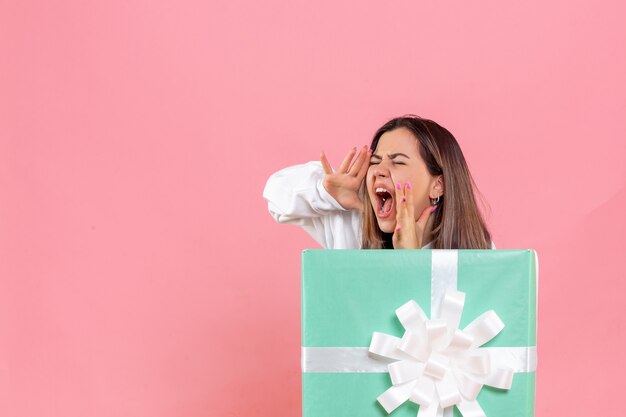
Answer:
(458, 224)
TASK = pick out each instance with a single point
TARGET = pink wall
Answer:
(140, 274)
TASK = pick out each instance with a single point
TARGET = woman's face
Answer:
(396, 159)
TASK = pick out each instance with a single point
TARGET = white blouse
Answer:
(295, 195)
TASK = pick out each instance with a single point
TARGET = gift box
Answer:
(465, 307)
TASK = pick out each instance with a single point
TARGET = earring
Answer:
(434, 201)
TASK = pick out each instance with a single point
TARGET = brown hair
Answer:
(458, 224)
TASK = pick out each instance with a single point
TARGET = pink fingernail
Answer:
(408, 185)
(433, 208)
(398, 186)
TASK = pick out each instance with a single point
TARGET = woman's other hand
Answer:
(343, 185)
(409, 233)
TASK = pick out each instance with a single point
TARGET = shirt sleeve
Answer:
(295, 195)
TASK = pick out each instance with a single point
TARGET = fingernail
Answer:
(398, 186)
(433, 208)
(408, 185)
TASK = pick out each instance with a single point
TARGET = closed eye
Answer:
(393, 162)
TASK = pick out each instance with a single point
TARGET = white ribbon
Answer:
(356, 359)
(437, 365)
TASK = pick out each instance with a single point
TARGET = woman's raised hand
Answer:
(343, 185)
(409, 233)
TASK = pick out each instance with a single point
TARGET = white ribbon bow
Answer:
(437, 365)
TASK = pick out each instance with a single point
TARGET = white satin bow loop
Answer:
(437, 365)
(452, 308)
(484, 328)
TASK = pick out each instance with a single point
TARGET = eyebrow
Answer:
(391, 156)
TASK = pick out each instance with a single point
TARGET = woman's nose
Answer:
(381, 171)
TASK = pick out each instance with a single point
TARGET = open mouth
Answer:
(385, 202)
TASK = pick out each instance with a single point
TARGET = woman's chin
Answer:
(387, 225)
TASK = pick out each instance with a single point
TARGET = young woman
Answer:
(410, 189)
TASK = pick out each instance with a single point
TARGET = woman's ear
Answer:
(437, 188)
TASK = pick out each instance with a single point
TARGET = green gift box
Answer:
(347, 295)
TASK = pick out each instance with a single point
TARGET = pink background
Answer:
(140, 274)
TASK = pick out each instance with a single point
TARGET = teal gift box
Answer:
(347, 295)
